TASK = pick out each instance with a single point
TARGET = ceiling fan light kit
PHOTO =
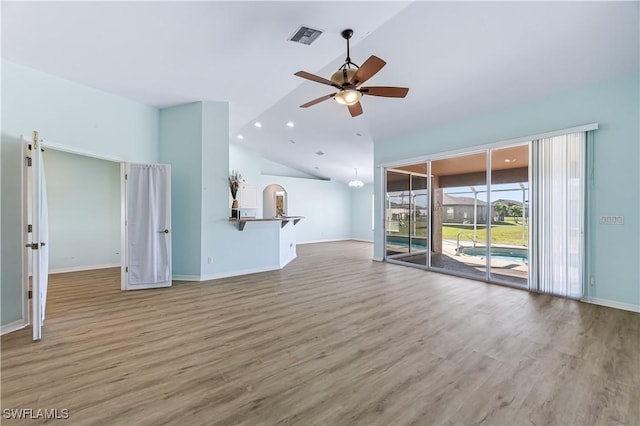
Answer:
(348, 80)
(348, 97)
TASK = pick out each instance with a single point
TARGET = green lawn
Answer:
(506, 232)
(500, 234)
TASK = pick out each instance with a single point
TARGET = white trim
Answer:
(83, 268)
(78, 151)
(361, 239)
(186, 278)
(149, 286)
(381, 208)
(331, 240)
(283, 264)
(13, 326)
(612, 304)
(239, 272)
(377, 259)
(230, 274)
(481, 148)
(123, 227)
(24, 218)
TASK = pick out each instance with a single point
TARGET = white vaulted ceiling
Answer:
(458, 58)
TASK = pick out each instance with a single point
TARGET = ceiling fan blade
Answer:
(385, 91)
(317, 101)
(355, 109)
(370, 67)
(316, 78)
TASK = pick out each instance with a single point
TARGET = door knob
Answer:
(166, 231)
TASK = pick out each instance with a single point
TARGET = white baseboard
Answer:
(240, 272)
(226, 274)
(377, 259)
(287, 261)
(13, 326)
(83, 268)
(612, 304)
(186, 278)
(332, 240)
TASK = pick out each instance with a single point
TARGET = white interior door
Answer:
(146, 236)
(39, 244)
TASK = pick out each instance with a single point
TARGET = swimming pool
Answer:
(520, 255)
(417, 243)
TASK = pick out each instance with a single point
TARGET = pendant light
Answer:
(355, 182)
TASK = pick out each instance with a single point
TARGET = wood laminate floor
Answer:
(334, 339)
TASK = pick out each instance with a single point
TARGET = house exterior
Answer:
(461, 209)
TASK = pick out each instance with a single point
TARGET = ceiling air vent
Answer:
(305, 35)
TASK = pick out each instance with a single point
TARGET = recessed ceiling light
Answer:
(240, 137)
(317, 168)
(510, 160)
(292, 141)
(319, 153)
(257, 124)
(358, 134)
(290, 124)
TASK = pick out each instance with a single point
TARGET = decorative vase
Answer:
(235, 212)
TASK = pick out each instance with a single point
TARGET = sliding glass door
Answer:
(470, 222)
(474, 214)
(406, 216)
(459, 215)
(419, 220)
(509, 245)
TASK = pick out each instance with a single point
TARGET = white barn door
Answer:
(146, 226)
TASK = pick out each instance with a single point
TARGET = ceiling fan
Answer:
(348, 80)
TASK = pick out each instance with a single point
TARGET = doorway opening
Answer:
(274, 201)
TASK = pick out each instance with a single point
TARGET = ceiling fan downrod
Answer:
(347, 34)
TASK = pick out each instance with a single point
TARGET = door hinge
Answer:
(34, 246)
(126, 176)
(126, 269)
(29, 228)
(30, 294)
(28, 161)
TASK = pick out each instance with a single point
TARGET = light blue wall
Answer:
(325, 205)
(77, 116)
(613, 189)
(180, 146)
(194, 139)
(272, 168)
(361, 212)
(83, 197)
(11, 252)
(68, 114)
